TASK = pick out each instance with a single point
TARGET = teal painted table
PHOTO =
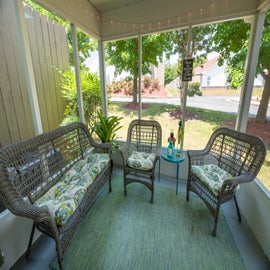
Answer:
(175, 159)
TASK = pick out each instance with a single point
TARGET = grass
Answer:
(198, 127)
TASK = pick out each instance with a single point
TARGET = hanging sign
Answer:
(187, 69)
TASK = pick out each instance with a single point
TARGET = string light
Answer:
(159, 24)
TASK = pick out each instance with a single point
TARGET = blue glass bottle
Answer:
(170, 150)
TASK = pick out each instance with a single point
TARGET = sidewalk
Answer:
(254, 101)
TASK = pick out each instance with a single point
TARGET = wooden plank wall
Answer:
(49, 50)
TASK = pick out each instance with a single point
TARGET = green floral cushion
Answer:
(141, 160)
(212, 176)
(65, 196)
(100, 160)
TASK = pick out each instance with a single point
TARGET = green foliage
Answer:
(171, 73)
(194, 85)
(155, 83)
(125, 86)
(190, 92)
(146, 81)
(86, 45)
(1, 258)
(230, 39)
(106, 128)
(90, 92)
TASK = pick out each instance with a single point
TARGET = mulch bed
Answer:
(261, 130)
(135, 106)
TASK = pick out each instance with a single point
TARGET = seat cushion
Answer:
(141, 160)
(212, 176)
(63, 198)
(61, 201)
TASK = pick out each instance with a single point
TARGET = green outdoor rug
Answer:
(130, 233)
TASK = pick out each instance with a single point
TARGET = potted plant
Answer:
(106, 127)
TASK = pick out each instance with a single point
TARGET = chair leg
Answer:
(237, 208)
(28, 251)
(187, 192)
(125, 189)
(125, 186)
(214, 232)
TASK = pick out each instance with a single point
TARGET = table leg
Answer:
(159, 171)
(177, 175)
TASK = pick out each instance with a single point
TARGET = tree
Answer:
(230, 39)
(86, 45)
(171, 72)
(89, 81)
(123, 54)
(90, 92)
(198, 45)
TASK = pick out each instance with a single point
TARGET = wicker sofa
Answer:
(230, 159)
(53, 179)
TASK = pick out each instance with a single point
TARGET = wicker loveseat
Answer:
(53, 179)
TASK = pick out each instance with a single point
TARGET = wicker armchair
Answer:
(141, 152)
(229, 159)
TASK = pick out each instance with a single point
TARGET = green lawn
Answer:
(198, 128)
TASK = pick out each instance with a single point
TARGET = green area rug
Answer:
(126, 233)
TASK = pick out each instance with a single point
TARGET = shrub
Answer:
(90, 91)
(106, 128)
(195, 85)
(146, 81)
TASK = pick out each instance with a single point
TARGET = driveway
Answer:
(216, 103)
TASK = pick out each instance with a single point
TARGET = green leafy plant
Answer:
(90, 92)
(106, 128)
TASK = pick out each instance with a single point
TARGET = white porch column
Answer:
(102, 75)
(250, 70)
(28, 65)
(140, 74)
(77, 71)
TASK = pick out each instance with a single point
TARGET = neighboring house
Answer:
(210, 74)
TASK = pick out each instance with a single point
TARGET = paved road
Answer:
(216, 103)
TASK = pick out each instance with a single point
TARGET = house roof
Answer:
(115, 19)
(205, 66)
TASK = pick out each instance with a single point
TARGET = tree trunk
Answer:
(262, 110)
(135, 90)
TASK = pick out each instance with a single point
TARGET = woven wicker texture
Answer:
(239, 154)
(143, 136)
(30, 168)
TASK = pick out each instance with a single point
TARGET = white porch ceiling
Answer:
(114, 19)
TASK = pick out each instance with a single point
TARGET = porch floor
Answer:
(43, 251)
